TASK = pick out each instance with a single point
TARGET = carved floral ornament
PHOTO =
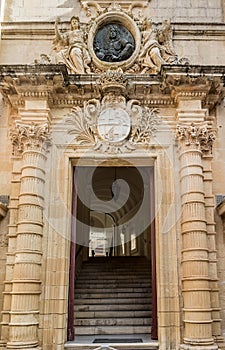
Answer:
(29, 136)
(197, 136)
(114, 37)
(113, 124)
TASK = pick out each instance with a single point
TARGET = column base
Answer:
(23, 346)
(220, 342)
(198, 347)
(2, 345)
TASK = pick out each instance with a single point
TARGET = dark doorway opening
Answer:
(113, 218)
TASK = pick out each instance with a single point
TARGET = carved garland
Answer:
(198, 136)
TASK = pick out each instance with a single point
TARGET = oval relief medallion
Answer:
(114, 124)
(114, 41)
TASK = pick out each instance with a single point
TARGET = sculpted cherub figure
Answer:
(71, 48)
(156, 46)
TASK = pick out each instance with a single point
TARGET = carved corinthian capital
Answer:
(197, 136)
(29, 136)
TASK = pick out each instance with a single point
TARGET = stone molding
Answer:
(63, 90)
(91, 6)
(45, 30)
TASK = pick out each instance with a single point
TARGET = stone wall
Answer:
(202, 11)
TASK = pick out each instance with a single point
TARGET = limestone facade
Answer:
(56, 115)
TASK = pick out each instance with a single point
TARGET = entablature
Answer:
(51, 82)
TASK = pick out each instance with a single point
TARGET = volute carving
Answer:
(113, 124)
(29, 136)
(197, 136)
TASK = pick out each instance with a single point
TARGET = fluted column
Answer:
(211, 234)
(26, 284)
(197, 311)
(12, 232)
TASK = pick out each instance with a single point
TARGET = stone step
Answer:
(112, 295)
(87, 285)
(122, 268)
(114, 274)
(114, 290)
(112, 314)
(111, 298)
(112, 301)
(147, 321)
(114, 278)
(112, 307)
(112, 330)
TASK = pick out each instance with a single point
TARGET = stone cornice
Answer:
(52, 83)
(45, 30)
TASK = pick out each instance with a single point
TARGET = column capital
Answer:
(199, 136)
(29, 136)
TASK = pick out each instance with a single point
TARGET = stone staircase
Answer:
(113, 299)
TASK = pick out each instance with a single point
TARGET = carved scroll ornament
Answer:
(197, 136)
(29, 136)
(113, 125)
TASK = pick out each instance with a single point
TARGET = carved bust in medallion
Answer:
(113, 43)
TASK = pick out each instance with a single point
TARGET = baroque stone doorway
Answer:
(113, 226)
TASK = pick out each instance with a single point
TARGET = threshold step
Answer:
(117, 346)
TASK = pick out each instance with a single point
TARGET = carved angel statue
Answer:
(71, 48)
(157, 46)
